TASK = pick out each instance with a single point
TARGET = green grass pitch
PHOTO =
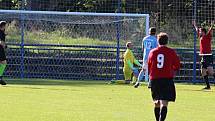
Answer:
(58, 100)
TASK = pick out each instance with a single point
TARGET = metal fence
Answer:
(174, 17)
(80, 62)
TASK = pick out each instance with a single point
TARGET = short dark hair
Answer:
(162, 38)
(2, 23)
(204, 30)
(152, 31)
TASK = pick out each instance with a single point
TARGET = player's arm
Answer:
(149, 61)
(130, 65)
(194, 25)
(176, 63)
(211, 29)
(155, 44)
(137, 62)
(212, 25)
(196, 28)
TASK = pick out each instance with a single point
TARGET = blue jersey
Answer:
(149, 43)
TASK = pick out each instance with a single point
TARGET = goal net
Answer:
(70, 45)
(74, 28)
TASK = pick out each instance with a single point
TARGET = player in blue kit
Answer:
(149, 43)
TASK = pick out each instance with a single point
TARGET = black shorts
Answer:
(2, 54)
(207, 61)
(163, 89)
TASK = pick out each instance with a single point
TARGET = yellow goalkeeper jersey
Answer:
(128, 55)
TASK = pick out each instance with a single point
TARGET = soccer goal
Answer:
(66, 44)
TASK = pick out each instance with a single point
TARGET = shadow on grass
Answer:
(199, 87)
(42, 88)
(49, 82)
(196, 90)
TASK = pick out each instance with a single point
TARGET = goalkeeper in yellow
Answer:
(129, 62)
(130, 72)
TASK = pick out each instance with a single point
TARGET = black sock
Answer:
(157, 113)
(163, 113)
(206, 81)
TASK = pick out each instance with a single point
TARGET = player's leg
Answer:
(3, 64)
(163, 109)
(210, 66)
(155, 93)
(157, 110)
(140, 78)
(114, 81)
(204, 67)
(134, 79)
(146, 74)
(143, 73)
(167, 93)
(135, 75)
(210, 71)
(205, 77)
(127, 76)
(2, 69)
